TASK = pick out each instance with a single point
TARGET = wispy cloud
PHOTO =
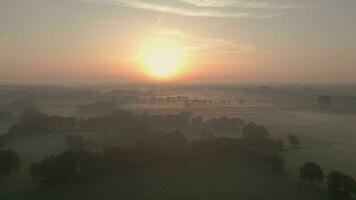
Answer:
(202, 8)
(189, 44)
(4, 39)
(197, 44)
(252, 4)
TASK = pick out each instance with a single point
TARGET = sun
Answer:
(161, 59)
(162, 62)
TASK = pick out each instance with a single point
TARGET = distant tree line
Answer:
(98, 108)
(85, 159)
(340, 103)
(34, 122)
(40, 123)
(222, 124)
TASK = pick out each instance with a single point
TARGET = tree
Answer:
(225, 124)
(5, 116)
(9, 161)
(29, 111)
(340, 186)
(18, 105)
(206, 134)
(197, 123)
(117, 158)
(37, 123)
(254, 132)
(78, 143)
(325, 102)
(98, 108)
(68, 165)
(311, 172)
(273, 145)
(215, 148)
(169, 140)
(275, 163)
(293, 140)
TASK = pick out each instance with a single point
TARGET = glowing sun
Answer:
(161, 59)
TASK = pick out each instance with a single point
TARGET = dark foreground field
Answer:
(208, 181)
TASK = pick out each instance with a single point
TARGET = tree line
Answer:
(84, 158)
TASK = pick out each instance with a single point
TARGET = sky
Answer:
(221, 40)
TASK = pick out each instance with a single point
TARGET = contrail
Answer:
(160, 18)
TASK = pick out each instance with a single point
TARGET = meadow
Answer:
(326, 138)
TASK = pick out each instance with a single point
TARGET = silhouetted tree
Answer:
(168, 146)
(37, 123)
(9, 161)
(340, 186)
(68, 165)
(176, 121)
(117, 158)
(2, 141)
(325, 102)
(206, 134)
(225, 124)
(254, 132)
(293, 140)
(120, 121)
(5, 115)
(214, 148)
(174, 139)
(29, 111)
(272, 145)
(197, 123)
(255, 135)
(275, 163)
(98, 108)
(18, 105)
(311, 172)
(78, 143)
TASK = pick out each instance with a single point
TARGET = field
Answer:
(326, 138)
(189, 182)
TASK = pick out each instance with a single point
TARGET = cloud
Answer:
(196, 44)
(4, 39)
(192, 45)
(196, 8)
(253, 4)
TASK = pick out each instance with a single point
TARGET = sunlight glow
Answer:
(161, 59)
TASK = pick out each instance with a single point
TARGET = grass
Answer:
(209, 181)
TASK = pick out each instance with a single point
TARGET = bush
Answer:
(254, 132)
(275, 163)
(341, 186)
(9, 161)
(311, 172)
(293, 140)
(79, 143)
(68, 165)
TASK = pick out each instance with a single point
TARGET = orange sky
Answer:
(232, 40)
